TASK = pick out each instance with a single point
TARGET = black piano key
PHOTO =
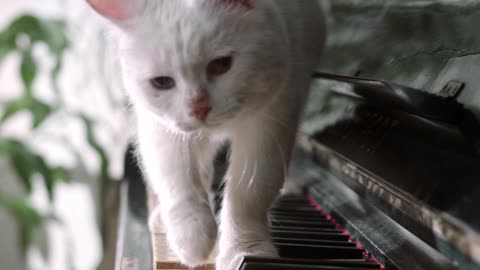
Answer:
(277, 266)
(295, 208)
(292, 207)
(290, 204)
(309, 235)
(305, 229)
(298, 217)
(259, 262)
(299, 211)
(306, 239)
(298, 223)
(318, 252)
(291, 198)
(305, 211)
(313, 242)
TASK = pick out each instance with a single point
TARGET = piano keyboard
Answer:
(305, 237)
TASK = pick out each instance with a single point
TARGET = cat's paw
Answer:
(191, 233)
(155, 223)
(231, 254)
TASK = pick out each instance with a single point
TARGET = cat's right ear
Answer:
(116, 10)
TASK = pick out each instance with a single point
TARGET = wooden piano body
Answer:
(393, 161)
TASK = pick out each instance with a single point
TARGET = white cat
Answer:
(199, 72)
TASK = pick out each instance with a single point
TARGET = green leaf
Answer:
(54, 73)
(47, 175)
(39, 110)
(104, 163)
(55, 36)
(27, 163)
(13, 107)
(60, 174)
(24, 24)
(7, 43)
(6, 48)
(28, 71)
(29, 220)
(51, 32)
(50, 176)
(21, 159)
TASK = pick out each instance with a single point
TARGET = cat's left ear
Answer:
(116, 10)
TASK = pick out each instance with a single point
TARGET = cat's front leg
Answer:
(175, 175)
(259, 158)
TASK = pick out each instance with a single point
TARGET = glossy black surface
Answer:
(413, 155)
(320, 245)
(435, 161)
(398, 97)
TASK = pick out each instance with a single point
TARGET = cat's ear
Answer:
(116, 10)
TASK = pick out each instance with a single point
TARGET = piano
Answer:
(386, 171)
(390, 185)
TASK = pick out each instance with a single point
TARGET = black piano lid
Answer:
(412, 153)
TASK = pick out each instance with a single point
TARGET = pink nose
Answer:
(201, 113)
(199, 107)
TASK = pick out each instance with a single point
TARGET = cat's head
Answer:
(196, 64)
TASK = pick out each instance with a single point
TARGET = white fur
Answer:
(256, 105)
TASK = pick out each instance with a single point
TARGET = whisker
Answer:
(282, 153)
(253, 175)
(244, 171)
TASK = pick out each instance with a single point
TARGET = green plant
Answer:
(20, 37)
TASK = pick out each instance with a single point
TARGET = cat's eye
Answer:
(219, 66)
(163, 83)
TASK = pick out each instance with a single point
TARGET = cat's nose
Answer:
(201, 113)
(199, 107)
(199, 101)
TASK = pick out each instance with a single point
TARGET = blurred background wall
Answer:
(63, 134)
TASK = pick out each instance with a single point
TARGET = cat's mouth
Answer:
(192, 128)
(214, 121)
(188, 127)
